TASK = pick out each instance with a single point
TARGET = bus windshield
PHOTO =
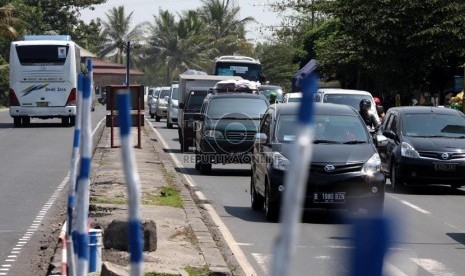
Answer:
(247, 71)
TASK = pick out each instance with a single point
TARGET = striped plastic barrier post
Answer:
(82, 191)
(133, 183)
(72, 177)
(371, 237)
(295, 179)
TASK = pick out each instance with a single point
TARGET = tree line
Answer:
(387, 47)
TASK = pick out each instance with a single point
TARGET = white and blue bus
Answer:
(43, 78)
(245, 67)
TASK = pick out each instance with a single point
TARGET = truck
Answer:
(190, 83)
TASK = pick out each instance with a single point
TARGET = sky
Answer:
(145, 9)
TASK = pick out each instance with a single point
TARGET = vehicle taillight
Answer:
(72, 97)
(13, 99)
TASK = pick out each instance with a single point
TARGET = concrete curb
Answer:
(207, 244)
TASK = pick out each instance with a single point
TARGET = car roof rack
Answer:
(236, 86)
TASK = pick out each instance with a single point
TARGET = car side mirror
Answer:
(390, 134)
(260, 138)
(381, 140)
(181, 105)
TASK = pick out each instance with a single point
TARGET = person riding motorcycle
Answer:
(372, 122)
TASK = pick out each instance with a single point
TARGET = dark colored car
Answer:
(426, 145)
(225, 133)
(268, 89)
(345, 170)
(194, 101)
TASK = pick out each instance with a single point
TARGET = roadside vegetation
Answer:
(386, 47)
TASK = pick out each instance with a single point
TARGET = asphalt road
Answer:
(34, 164)
(428, 225)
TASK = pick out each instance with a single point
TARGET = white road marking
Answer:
(38, 219)
(432, 266)
(391, 270)
(241, 258)
(413, 206)
(263, 261)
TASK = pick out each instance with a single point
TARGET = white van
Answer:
(345, 96)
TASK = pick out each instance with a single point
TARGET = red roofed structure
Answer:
(109, 73)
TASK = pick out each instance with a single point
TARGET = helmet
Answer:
(377, 100)
(273, 96)
(365, 105)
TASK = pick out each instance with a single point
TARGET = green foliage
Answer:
(276, 58)
(4, 82)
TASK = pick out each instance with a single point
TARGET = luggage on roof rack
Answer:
(237, 86)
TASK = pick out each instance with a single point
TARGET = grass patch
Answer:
(104, 200)
(168, 196)
(192, 271)
(198, 271)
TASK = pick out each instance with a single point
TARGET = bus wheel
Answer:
(17, 121)
(26, 120)
(65, 121)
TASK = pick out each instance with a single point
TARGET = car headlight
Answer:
(406, 150)
(213, 134)
(372, 165)
(280, 162)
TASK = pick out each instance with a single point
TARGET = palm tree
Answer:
(8, 21)
(116, 33)
(178, 46)
(221, 17)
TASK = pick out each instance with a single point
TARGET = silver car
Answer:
(162, 103)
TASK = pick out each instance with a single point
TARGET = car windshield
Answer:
(236, 108)
(434, 125)
(164, 93)
(329, 129)
(195, 100)
(175, 94)
(352, 100)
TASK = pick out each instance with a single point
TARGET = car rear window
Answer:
(352, 100)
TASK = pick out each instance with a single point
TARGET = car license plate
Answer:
(42, 104)
(330, 197)
(445, 167)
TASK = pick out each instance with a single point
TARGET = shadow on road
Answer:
(310, 217)
(429, 190)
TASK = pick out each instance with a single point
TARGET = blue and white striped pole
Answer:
(72, 178)
(132, 182)
(82, 191)
(295, 180)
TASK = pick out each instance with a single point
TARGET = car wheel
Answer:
(17, 121)
(185, 146)
(271, 208)
(157, 118)
(168, 125)
(256, 199)
(152, 116)
(396, 182)
(205, 167)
